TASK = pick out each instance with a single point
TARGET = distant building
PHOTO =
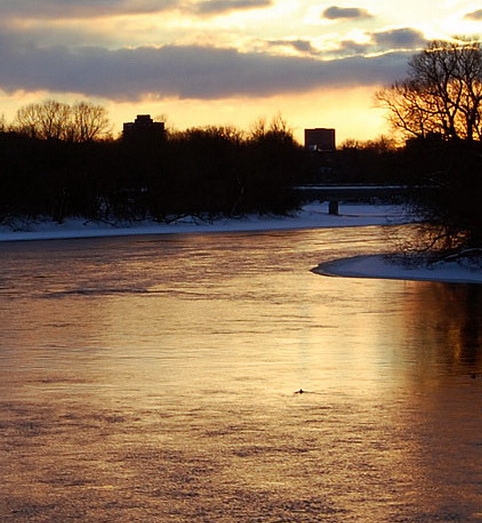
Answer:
(143, 129)
(320, 139)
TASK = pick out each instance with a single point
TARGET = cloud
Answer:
(61, 9)
(405, 38)
(384, 41)
(351, 47)
(215, 7)
(302, 46)
(194, 72)
(81, 9)
(476, 15)
(335, 13)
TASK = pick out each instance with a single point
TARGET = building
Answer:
(143, 129)
(320, 139)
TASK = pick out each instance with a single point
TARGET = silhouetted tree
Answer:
(206, 172)
(372, 161)
(439, 106)
(442, 94)
(47, 120)
(274, 163)
(446, 194)
(88, 122)
(56, 120)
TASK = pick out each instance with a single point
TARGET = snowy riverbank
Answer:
(312, 216)
(381, 267)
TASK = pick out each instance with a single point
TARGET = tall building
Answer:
(320, 139)
(143, 129)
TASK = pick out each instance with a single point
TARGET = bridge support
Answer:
(333, 207)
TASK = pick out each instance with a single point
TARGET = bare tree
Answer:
(45, 120)
(440, 104)
(277, 128)
(26, 121)
(88, 122)
(442, 94)
(56, 120)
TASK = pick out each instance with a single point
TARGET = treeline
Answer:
(59, 161)
(377, 162)
(204, 171)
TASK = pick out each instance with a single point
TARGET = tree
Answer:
(274, 162)
(445, 197)
(371, 161)
(88, 122)
(442, 94)
(51, 119)
(46, 120)
(439, 107)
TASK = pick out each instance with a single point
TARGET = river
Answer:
(152, 379)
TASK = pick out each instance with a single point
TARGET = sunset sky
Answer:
(221, 62)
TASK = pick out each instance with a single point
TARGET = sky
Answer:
(194, 63)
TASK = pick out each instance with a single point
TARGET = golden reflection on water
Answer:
(153, 380)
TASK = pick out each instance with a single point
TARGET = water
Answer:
(152, 379)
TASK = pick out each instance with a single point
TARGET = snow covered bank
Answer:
(381, 267)
(311, 216)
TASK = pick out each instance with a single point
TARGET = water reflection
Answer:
(153, 379)
(446, 321)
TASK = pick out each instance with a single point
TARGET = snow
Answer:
(382, 267)
(311, 216)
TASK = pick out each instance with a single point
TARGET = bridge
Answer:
(351, 193)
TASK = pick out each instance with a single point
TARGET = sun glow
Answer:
(239, 44)
(351, 112)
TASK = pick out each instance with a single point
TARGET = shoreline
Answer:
(379, 266)
(311, 216)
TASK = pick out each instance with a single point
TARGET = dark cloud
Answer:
(65, 9)
(386, 41)
(335, 13)
(405, 38)
(476, 15)
(215, 7)
(302, 46)
(354, 48)
(184, 71)
(60, 9)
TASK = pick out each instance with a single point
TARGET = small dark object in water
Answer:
(301, 391)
